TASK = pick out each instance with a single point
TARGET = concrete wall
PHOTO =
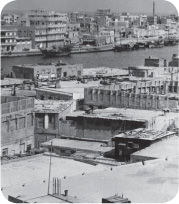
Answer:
(49, 94)
(96, 128)
(117, 98)
(17, 124)
(46, 129)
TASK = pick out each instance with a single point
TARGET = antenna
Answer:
(50, 169)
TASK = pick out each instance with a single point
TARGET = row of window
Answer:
(5, 151)
(15, 124)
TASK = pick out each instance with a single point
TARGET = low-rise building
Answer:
(163, 149)
(48, 70)
(17, 125)
(175, 61)
(47, 116)
(155, 62)
(132, 141)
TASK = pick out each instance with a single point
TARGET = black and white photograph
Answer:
(89, 101)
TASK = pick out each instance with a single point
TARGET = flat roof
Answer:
(144, 134)
(162, 149)
(51, 106)
(33, 172)
(142, 67)
(49, 65)
(54, 199)
(154, 182)
(119, 113)
(78, 145)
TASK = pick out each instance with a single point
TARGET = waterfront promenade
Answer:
(82, 49)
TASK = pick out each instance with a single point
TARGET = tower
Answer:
(153, 8)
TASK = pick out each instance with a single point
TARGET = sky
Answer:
(133, 6)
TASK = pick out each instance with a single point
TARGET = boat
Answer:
(155, 44)
(124, 47)
(55, 51)
(91, 48)
(170, 41)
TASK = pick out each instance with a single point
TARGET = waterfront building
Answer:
(8, 38)
(9, 19)
(175, 61)
(155, 62)
(17, 125)
(26, 32)
(49, 70)
(50, 27)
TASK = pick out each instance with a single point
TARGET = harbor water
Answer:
(91, 60)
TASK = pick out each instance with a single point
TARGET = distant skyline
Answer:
(132, 6)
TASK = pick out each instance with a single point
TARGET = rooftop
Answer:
(154, 182)
(119, 113)
(78, 145)
(142, 68)
(33, 172)
(144, 134)
(162, 149)
(51, 106)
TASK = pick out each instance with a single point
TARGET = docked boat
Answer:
(124, 47)
(55, 51)
(155, 44)
(91, 48)
(170, 41)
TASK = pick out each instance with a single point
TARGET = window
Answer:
(64, 74)
(51, 121)
(29, 120)
(13, 124)
(5, 126)
(5, 152)
(22, 148)
(40, 121)
(29, 147)
(21, 123)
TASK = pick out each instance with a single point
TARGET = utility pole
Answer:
(50, 169)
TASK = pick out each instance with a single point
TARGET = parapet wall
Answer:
(13, 104)
(121, 99)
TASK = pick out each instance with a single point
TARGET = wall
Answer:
(49, 128)
(17, 125)
(96, 128)
(117, 98)
(49, 94)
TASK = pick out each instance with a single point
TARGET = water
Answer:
(100, 59)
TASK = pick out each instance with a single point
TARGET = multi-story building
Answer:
(10, 19)
(26, 32)
(8, 38)
(17, 124)
(152, 20)
(73, 17)
(50, 27)
(103, 12)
